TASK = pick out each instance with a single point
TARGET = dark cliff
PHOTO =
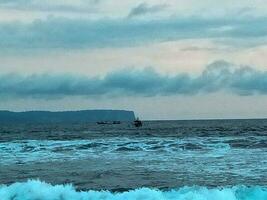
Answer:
(66, 116)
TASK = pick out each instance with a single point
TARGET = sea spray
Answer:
(37, 190)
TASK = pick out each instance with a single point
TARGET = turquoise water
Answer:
(183, 160)
(36, 190)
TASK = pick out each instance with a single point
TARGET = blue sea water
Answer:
(183, 160)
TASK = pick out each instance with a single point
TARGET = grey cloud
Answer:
(144, 8)
(218, 76)
(81, 33)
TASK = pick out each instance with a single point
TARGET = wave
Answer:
(35, 189)
(30, 151)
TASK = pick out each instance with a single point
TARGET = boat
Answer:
(101, 123)
(138, 123)
(108, 122)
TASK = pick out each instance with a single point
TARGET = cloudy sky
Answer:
(175, 59)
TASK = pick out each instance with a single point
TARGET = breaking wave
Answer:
(34, 189)
(32, 150)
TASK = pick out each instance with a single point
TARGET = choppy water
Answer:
(174, 156)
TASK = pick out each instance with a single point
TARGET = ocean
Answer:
(183, 160)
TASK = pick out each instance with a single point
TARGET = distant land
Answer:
(66, 116)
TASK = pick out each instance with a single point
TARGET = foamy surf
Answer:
(37, 190)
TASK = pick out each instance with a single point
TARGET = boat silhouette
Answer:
(138, 123)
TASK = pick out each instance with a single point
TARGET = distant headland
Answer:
(81, 116)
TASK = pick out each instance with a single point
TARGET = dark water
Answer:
(161, 154)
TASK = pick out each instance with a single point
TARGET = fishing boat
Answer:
(138, 123)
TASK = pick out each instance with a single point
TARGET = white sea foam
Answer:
(31, 150)
(33, 190)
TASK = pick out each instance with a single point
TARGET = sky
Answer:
(175, 59)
